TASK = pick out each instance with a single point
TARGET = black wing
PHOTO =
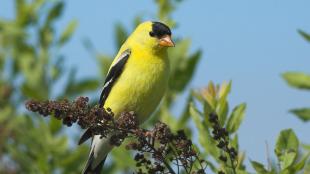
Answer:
(115, 71)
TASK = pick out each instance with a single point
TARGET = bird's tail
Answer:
(100, 147)
(89, 169)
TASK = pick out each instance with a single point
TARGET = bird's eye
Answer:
(151, 33)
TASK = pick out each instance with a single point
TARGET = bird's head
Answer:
(154, 35)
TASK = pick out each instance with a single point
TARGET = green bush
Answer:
(31, 65)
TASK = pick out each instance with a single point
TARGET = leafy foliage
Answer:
(305, 35)
(31, 66)
(297, 80)
(303, 113)
(300, 81)
(286, 148)
(289, 158)
(214, 99)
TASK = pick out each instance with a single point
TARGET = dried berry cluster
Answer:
(97, 121)
(165, 148)
(126, 125)
(221, 135)
(70, 112)
(158, 150)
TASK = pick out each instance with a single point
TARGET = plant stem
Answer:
(164, 161)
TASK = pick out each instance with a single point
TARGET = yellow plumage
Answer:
(144, 79)
(137, 80)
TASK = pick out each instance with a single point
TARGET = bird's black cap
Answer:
(159, 29)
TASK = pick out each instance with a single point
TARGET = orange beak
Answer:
(166, 41)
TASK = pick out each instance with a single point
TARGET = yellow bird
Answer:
(136, 81)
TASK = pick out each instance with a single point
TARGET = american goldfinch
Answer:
(136, 81)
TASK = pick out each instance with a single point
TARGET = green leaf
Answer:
(222, 111)
(2, 57)
(120, 35)
(287, 148)
(55, 12)
(5, 114)
(305, 35)
(82, 86)
(33, 93)
(301, 164)
(307, 168)
(165, 8)
(242, 172)
(184, 118)
(197, 95)
(286, 140)
(26, 66)
(297, 79)
(184, 72)
(68, 32)
(306, 147)
(105, 62)
(167, 117)
(70, 163)
(302, 113)
(46, 36)
(236, 118)
(55, 125)
(288, 159)
(235, 142)
(123, 156)
(196, 116)
(57, 69)
(138, 20)
(205, 139)
(222, 105)
(23, 15)
(210, 98)
(259, 168)
(240, 159)
(178, 53)
(89, 46)
(224, 91)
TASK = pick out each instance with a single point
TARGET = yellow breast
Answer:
(141, 85)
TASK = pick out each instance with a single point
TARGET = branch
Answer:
(221, 135)
(155, 149)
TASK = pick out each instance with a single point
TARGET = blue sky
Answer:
(248, 42)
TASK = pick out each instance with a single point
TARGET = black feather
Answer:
(113, 75)
(88, 169)
(159, 30)
(86, 135)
